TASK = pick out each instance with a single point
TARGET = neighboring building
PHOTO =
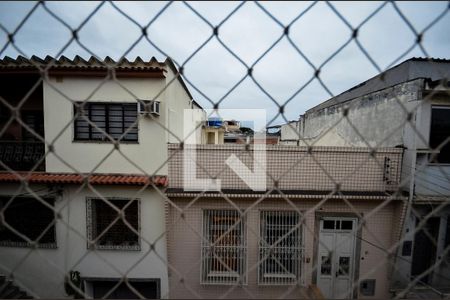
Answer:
(273, 134)
(289, 134)
(213, 131)
(407, 106)
(57, 194)
(217, 132)
(300, 233)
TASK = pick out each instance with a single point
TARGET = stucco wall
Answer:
(148, 155)
(378, 118)
(289, 133)
(178, 100)
(186, 231)
(38, 269)
(86, 156)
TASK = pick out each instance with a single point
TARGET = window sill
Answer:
(27, 245)
(270, 279)
(104, 142)
(275, 275)
(222, 278)
(116, 247)
(223, 274)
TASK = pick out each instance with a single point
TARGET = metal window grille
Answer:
(35, 121)
(280, 249)
(116, 121)
(108, 229)
(26, 221)
(224, 247)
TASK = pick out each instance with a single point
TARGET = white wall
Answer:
(149, 155)
(85, 156)
(178, 100)
(290, 133)
(44, 268)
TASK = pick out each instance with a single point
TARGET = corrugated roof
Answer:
(95, 179)
(78, 63)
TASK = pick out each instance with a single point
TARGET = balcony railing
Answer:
(22, 156)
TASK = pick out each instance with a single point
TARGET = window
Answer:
(113, 118)
(440, 131)
(34, 120)
(31, 218)
(102, 213)
(223, 247)
(337, 224)
(280, 250)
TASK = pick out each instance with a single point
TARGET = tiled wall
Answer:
(184, 232)
(294, 168)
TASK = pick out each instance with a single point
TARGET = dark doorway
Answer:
(148, 289)
(424, 255)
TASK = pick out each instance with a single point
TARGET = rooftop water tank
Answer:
(215, 122)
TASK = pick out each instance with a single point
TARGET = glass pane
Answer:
(347, 225)
(344, 265)
(225, 236)
(325, 267)
(440, 126)
(280, 247)
(328, 224)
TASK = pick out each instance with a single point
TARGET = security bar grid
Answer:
(243, 241)
(281, 260)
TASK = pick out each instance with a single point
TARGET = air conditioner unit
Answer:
(148, 107)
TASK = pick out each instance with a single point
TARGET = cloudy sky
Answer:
(248, 30)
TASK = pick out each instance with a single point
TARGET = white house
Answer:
(83, 151)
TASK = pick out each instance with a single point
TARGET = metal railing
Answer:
(23, 156)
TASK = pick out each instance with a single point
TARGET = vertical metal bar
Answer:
(107, 125)
(88, 106)
(123, 122)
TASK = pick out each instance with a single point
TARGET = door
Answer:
(425, 247)
(335, 257)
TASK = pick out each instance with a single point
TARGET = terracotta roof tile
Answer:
(95, 179)
(78, 62)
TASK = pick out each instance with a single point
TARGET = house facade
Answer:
(83, 150)
(407, 106)
(322, 223)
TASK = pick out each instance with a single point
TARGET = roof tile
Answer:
(79, 63)
(95, 179)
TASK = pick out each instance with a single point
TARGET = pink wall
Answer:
(184, 245)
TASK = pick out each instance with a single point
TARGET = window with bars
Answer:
(118, 120)
(31, 218)
(34, 120)
(109, 231)
(280, 250)
(223, 247)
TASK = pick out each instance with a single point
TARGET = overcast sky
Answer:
(249, 33)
